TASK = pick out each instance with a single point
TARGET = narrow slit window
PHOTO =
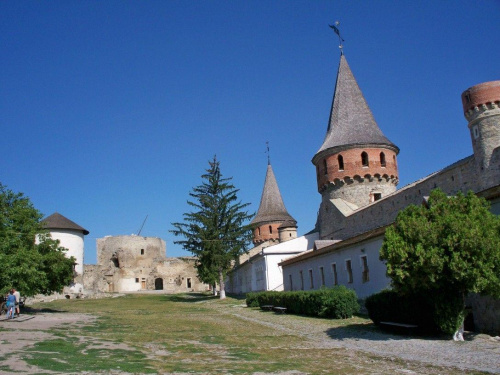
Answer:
(301, 280)
(340, 159)
(382, 159)
(291, 281)
(364, 159)
(325, 166)
(270, 229)
(334, 271)
(366, 271)
(311, 280)
(348, 267)
(322, 274)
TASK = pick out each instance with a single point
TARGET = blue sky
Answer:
(110, 110)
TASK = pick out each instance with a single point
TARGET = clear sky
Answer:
(110, 110)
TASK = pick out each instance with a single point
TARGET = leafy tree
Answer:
(215, 232)
(30, 266)
(445, 250)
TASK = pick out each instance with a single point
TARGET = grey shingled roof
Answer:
(58, 221)
(271, 207)
(351, 120)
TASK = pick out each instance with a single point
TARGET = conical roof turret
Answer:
(351, 121)
(58, 221)
(272, 208)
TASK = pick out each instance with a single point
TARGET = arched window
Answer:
(270, 229)
(364, 159)
(340, 159)
(382, 159)
(325, 166)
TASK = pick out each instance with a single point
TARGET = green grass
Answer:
(182, 333)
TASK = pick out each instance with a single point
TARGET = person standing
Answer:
(18, 297)
(11, 304)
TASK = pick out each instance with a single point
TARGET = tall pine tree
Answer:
(215, 231)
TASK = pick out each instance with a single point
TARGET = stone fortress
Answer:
(357, 174)
(124, 263)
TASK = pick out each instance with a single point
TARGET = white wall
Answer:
(73, 241)
(377, 277)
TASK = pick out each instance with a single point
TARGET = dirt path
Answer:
(479, 352)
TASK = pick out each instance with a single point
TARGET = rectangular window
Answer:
(136, 279)
(311, 281)
(322, 274)
(301, 280)
(334, 272)
(291, 281)
(348, 267)
(364, 266)
(142, 251)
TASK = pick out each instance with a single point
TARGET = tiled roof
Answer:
(58, 221)
(351, 120)
(271, 207)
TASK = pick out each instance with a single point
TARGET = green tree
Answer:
(445, 250)
(215, 231)
(31, 266)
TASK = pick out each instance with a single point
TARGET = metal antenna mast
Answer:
(138, 233)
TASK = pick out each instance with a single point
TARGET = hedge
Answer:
(432, 313)
(337, 303)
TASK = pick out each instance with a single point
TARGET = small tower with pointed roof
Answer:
(356, 162)
(272, 222)
(70, 236)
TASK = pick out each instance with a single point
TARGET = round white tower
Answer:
(70, 236)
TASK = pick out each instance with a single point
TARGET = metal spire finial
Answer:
(268, 154)
(337, 31)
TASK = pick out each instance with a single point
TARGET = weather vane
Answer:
(337, 31)
(268, 154)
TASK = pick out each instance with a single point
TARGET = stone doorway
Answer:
(159, 284)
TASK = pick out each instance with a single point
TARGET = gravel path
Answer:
(479, 352)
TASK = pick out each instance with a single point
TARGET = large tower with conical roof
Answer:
(272, 221)
(356, 164)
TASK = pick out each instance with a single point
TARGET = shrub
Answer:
(337, 303)
(432, 312)
(251, 299)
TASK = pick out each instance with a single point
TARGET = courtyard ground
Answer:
(186, 334)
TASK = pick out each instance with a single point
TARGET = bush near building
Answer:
(336, 303)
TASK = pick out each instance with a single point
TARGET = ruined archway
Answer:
(159, 284)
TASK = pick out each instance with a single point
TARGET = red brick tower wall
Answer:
(266, 232)
(353, 165)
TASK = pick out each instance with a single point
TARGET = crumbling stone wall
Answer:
(134, 263)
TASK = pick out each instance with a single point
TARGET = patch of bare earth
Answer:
(21, 334)
(478, 353)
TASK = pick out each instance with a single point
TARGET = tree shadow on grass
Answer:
(33, 310)
(372, 332)
(190, 298)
